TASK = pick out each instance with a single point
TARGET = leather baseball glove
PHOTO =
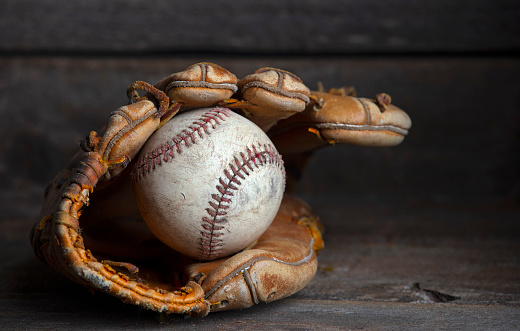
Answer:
(90, 228)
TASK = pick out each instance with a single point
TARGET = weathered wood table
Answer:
(425, 235)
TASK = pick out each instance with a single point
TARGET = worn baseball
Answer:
(208, 183)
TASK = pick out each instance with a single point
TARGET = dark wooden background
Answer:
(438, 214)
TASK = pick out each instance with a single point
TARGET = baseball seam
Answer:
(246, 162)
(201, 127)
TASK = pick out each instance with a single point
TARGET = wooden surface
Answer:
(425, 235)
(260, 27)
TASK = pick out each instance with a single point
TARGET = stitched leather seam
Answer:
(130, 126)
(276, 90)
(341, 126)
(281, 76)
(217, 86)
(246, 266)
(202, 82)
(251, 286)
(203, 71)
(367, 110)
(356, 127)
(122, 114)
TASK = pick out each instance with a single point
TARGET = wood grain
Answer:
(261, 27)
(436, 217)
(464, 111)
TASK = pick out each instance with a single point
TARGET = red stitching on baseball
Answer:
(210, 243)
(212, 118)
(245, 163)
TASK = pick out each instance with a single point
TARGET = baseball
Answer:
(208, 183)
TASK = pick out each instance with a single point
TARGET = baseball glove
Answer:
(91, 231)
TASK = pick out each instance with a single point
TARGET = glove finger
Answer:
(57, 239)
(128, 129)
(271, 95)
(332, 118)
(200, 85)
(279, 264)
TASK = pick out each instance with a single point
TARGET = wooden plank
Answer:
(436, 217)
(284, 315)
(396, 250)
(464, 139)
(262, 27)
(381, 263)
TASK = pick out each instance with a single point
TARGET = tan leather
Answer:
(128, 127)
(56, 237)
(115, 252)
(200, 85)
(280, 263)
(274, 94)
(333, 118)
